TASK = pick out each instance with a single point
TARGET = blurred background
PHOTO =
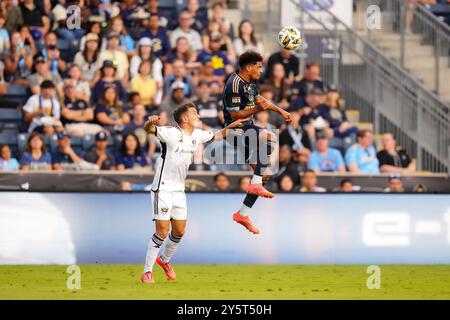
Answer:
(368, 90)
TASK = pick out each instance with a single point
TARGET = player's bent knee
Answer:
(177, 232)
(176, 237)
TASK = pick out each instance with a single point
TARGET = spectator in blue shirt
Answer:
(158, 35)
(35, 155)
(131, 155)
(126, 43)
(64, 154)
(362, 156)
(325, 159)
(221, 63)
(7, 163)
(179, 73)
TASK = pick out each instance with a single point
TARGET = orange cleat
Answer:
(246, 222)
(259, 190)
(147, 277)
(170, 273)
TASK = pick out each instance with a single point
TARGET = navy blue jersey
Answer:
(238, 94)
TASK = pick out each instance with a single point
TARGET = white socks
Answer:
(256, 179)
(244, 210)
(152, 252)
(170, 246)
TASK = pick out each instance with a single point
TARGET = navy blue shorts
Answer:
(245, 141)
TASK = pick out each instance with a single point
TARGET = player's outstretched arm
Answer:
(223, 132)
(265, 104)
(150, 125)
(244, 114)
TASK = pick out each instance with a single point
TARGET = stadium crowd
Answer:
(76, 98)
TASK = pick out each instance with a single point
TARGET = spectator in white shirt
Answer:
(117, 56)
(246, 40)
(43, 111)
(184, 30)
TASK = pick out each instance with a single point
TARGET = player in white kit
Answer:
(169, 200)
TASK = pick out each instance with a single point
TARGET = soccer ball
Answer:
(290, 38)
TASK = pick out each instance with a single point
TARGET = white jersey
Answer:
(177, 154)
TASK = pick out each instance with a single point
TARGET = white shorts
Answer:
(168, 205)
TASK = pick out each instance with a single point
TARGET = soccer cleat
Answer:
(147, 277)
(259, 190)
(246, 222)
(170, 273)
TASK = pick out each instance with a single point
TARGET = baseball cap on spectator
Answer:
(394, 176)
(216, 36)
(112, 34)
(68, 83)
(139, 14)
(91, 37)
(101, 136)
(145, 42)
(96, 18)
(316, 92)
(62, 134)
(177, 85)
(332, 88)
(46, 84)
(115, 11)
(321, 135)
(39, 59)
(108, 63)
(59, 13)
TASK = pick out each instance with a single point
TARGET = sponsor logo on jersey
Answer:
(236, 100)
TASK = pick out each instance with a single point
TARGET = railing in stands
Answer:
(415, 28)
(385, 93)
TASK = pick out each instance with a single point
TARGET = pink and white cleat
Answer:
(170, 273)
(147, 277)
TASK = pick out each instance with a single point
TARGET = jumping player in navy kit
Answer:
(241, 100)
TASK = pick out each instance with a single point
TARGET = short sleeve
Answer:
(350, 156)
(167, 134)
(30, 105)
(119, 159)
(206, 136)
(25, 159)
(47, 158)
(338, 158)
(100, 108)
(312, 162)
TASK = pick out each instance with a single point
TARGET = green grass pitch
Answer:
(227, 282)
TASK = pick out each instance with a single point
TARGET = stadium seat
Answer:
(10, 120)
(52, 142)
(336, 143)
(77, 144)
(21, 141)
(87, 143)
(11, 140)
(118, 140)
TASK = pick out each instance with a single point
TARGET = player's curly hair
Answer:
(178, 112)
(249, 57)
